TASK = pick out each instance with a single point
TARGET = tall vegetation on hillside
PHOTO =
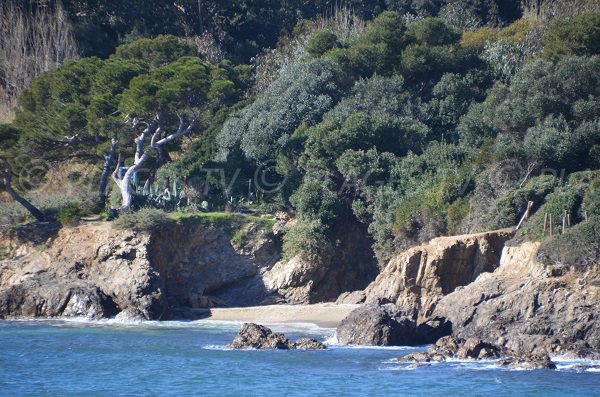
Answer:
(376, 127)
(30, 43)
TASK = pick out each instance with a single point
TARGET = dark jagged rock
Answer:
(260, 337)
(387, 325)
(309, 344)
(475, 348)
(527, 362)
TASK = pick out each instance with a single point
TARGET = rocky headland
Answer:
(475, 296)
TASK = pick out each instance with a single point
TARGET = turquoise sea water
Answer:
(71, 358)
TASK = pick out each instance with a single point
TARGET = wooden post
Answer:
(526, 214)
(551, 228)
(564, 224)
(569, 220)
(585, 215)
(545, 223)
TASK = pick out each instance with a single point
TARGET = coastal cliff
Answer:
(470, 286)
(481, 289)
(529, 307)
(419, 277)
(95, 271)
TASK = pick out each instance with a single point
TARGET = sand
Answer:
(327, 315)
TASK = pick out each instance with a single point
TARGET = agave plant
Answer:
(169, 200)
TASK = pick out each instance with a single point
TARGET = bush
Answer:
(579, 36)
(579, 246)
(456, 214)
(322, 42)
(572, 198)
(144, 220)
(69, 214)
(307, 239)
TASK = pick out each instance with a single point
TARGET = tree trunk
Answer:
(126, 194)
(109, 159)
(152, 131)
(37, 214)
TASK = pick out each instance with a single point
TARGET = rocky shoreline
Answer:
(471, 297)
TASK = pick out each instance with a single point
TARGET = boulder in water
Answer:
(260, 337)
(309, 344)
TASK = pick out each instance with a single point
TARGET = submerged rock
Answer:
(308, 344)
(260, 337)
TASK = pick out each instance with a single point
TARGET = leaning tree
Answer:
(151, 139)
(164, 105)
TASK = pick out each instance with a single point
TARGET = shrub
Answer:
(456, 213)
(579, 36)
(69, 214)
(144, 220)
(579, 246)
(321, 42)
(307, 239)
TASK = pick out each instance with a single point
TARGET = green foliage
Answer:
(432, 32)
(70, 206)
(457, 212)
(159, 51)
(508, 209)
(302, 94)
(378, 50)
(69, 214)
(577, 36)
(143, 220)
(307, 239)
(9, 136)
(321, 42)
(567, 89)
(181, 84)
(578, 247)
(452, 96)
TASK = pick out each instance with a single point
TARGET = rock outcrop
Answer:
(528, 307)
(95, 271)
(257, 336)
(351, 266)
(90, 271)
(387, 325)
(309, 344)
(419, 277)
(260, 337)
(475, 349)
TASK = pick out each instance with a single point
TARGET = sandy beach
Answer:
(326, 315)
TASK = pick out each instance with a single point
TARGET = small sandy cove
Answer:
(326, 315)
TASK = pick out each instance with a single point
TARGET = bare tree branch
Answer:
(7, 179)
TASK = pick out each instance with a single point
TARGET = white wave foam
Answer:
(217, 347)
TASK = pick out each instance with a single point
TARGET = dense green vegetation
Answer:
(429, 119)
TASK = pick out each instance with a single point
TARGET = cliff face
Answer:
(529, 307)
(499, 294)
(95, 271)
(418, 278)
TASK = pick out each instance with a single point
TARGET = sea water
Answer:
(77, 358)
